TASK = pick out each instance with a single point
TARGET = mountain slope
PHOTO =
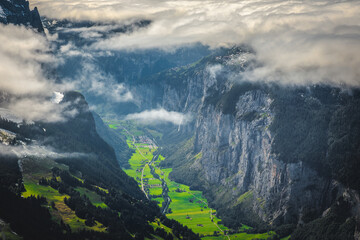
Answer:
(264, 154)
(60, 180)
(18, 12)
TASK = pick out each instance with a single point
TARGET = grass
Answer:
(157, 224)
(198, 156)
(246, 196)
(113, 126)
(154, 181)
(155, 191)
(95, 199)
(241, 236)
(159, 200)
(188, 207)
(34, 170)
(139, 167)
(244, 227)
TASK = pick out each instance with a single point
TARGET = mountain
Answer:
(18, 12)
(265, 155)
(61, 180)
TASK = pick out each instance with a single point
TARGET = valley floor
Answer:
(176, 200)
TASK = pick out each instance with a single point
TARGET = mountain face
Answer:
(61, 180)
(262, 153)
(266, 155)
(18, 12)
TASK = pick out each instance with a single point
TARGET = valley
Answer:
(177, 201)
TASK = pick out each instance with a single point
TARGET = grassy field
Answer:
(241, 236)
(139, 167)
(95, 199)
(190, 208)
(187, 206)
(34, 170)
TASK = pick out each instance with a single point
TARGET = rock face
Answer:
(237, 155)
(232, 154)
(18, 12)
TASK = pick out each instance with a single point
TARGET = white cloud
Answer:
(297, 42)
(23, 53)
(93, 80)
(41, 109)
(160, 116)
(38, 151)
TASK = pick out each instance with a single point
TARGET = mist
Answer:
(23, 53)
(158, 116)
(295, 42)
(36, 150)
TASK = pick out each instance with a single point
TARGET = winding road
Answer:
(142, 171)
(167, 199)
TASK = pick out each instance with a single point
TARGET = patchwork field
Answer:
(187, 206)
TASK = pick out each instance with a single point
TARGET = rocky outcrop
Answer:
(233, 145)
(236, 154)
(18, 12)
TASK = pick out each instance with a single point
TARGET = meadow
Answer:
(34, 170)
(187, 206)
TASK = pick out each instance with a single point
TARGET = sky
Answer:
(297, 42)
(294, 42)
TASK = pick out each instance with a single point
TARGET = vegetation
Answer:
(337, 224)
(187, 206)
(319, 127)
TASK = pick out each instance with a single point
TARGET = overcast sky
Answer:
(295, 42)
(298, 42)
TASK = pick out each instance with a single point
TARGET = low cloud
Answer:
(296, 42)
(161, 115)
(94, 81)
(23, 55)
(22, 51)
(41, 109)
(36, 150)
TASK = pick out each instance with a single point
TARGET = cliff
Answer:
(18, 12)
(262, 153)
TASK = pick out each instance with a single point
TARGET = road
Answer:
(168, 200)
(142, 171)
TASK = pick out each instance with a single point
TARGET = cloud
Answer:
(37, 151)
(23, 55)
(93, 80)
(41, 109)
(296, 42)
(161, 115)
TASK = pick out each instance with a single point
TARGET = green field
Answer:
(34, 170)
(188, 207)
(95, 199)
